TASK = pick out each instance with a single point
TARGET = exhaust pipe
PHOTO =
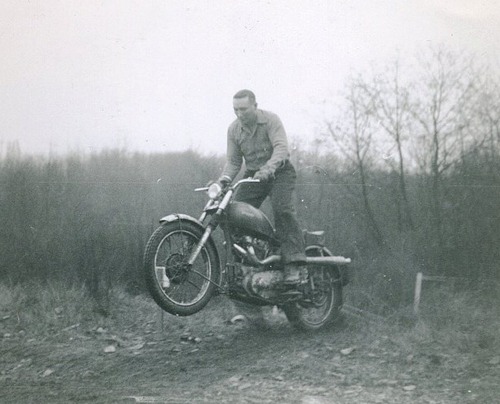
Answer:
(328, 260)
(325, 260)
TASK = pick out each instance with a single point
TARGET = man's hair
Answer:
(244, 94)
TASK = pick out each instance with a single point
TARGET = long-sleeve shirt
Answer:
(264, 145)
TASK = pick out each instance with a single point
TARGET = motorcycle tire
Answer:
(175, 286)
(324, 309)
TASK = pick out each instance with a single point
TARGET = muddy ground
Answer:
(218, 361)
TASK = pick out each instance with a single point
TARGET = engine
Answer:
(253, 246)
(249, 277)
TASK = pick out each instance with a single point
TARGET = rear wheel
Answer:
(176, 286)
(326, 297)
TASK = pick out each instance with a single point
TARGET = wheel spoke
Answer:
(194, 284)
(201, 275)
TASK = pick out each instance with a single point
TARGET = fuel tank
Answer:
(243, 216)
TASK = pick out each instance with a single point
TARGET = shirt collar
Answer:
(261, 119)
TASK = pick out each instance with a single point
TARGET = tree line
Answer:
(405, 177)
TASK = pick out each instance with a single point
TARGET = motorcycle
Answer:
(183, 266)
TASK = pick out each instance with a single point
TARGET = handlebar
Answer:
(245, 180)
(236, 185)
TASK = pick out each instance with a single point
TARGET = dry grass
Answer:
(460, 320)
(43, 311)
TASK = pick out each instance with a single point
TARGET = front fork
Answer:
(200, 245)
(214, 222)
(222, 286)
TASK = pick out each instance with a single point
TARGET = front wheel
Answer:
(326, 298)
(177, 287)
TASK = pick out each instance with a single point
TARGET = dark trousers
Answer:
(280, 190)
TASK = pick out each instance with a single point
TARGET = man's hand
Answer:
(264, 174)
(224, 181)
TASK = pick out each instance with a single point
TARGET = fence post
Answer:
(418, 289)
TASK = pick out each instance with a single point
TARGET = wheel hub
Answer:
(315, 298)
(176, 268)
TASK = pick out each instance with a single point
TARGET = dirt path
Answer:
(355, 362)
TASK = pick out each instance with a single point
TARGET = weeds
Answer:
(44, 310)
(460, 320)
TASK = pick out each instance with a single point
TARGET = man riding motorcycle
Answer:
(259, 138)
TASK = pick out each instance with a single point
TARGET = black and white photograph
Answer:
(233, 201)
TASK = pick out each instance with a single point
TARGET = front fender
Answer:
(180, 216)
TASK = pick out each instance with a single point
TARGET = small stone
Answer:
(117, 340)
(47, 372)
(238, 319)
(347, 351)
(234, 379)
(110, 349)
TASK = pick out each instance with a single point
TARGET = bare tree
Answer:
(441, 107)
(489, 119)
(389, 104)
(352, 135)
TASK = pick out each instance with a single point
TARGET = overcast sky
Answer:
(153, 75)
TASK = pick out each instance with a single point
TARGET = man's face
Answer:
(245, 110)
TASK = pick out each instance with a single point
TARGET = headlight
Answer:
(214, 190)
